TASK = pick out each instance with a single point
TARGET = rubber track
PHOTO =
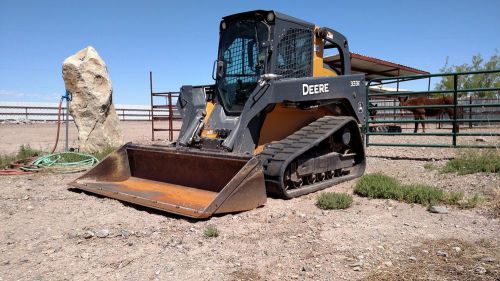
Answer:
(277, 156)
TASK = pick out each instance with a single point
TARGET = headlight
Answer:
(270, 17)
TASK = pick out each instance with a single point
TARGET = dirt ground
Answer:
(52, 232)
(42, 135)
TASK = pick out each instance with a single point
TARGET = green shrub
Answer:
(471, 202)
(454, 198)
(378, 185)
(5, 160)
(334, 201)
(474, 161)
(24, 152)
(211, 232)
(422, 194)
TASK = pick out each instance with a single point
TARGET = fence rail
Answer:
(49, 113)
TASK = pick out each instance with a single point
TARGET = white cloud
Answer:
(22, 96)
(7, 93)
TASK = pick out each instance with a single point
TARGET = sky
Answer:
(177, 40)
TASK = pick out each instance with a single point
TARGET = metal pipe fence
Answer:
(165, 110)
(471, 110)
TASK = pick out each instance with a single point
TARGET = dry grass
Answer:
(103, 153)
(492, 202)
(458, 265)
(245, 275)
(472, 161)
(24, 153)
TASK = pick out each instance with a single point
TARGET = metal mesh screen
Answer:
(294, 57)
(242, 59)
(239, 68)
(241, 74)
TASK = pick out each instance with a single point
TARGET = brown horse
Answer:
(421, 113)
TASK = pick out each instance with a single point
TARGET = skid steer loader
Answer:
(277, 122)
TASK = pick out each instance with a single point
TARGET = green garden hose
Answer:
(62, 162)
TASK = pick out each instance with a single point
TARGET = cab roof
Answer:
(263, 13)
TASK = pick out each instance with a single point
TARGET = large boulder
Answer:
(86, 77)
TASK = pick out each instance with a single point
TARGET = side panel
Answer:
(346, 89)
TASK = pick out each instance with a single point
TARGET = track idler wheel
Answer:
(311, 179)
(292, 180)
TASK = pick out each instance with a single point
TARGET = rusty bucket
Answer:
(186, 182)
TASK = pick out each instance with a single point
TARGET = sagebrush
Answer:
(211, 231)
(334, 201)
(378, 185)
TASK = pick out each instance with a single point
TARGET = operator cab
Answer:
(262, 42)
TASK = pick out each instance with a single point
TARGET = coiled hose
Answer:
(61, 163)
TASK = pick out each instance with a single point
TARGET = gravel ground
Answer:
(51, 232)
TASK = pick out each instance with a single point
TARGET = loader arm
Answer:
(347, 90)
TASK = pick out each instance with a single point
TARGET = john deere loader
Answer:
(276, 122)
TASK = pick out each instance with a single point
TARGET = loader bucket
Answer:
(185, 182)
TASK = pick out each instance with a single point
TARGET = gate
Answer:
(385, 116)
(163, 115)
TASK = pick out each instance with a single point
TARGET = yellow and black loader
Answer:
(277, 122)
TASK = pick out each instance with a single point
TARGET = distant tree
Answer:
(491, 80)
